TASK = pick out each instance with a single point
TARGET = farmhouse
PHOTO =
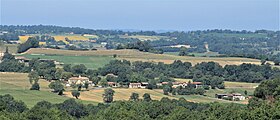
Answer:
(233, 96)
(179, 46)
(78, 80)
(22, 59)
(197, 84)
(113, 84)
(136, 85)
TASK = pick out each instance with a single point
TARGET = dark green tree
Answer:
(134, 97)
(108, 95)
(75, 93)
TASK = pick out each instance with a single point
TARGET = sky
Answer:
(183, 15)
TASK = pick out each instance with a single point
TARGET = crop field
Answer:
(240, 85)
(12, 48)
(58, 38)
(23, 39)
(92, 62)
(143, 37)
(17, 85)
(120, 94)
(134, 55)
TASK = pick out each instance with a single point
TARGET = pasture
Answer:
(12, 48)
(17, 85)
(120, 94)
(134, 55)
(143, 37)
(91, 62)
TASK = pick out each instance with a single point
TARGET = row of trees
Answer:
(210, 73)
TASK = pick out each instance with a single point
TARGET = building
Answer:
(78, 80)
(135, 85)
(236, 96)
(233, 96)
(144, 84)
(113, 84)
(197, 84)
(22, 59)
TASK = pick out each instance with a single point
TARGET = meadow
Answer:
(134, 55)
(79, 37)
(12, 48)
(143, 37)
(17, 85)
(91, 62)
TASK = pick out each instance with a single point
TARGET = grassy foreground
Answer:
(17, 85)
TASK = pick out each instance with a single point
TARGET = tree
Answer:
(32, 42)
(245, 92)
(166, 89)
(57, 87)
(152, 84)
(277, 61)
(33, 77)
(115, 55)
(79, 69)
(86, 85)
(183, 51)
(75, 93)
(103, 82)
(108, 95)
(79, 87)
(134, 97)
(7, 55)
(35, 86)
(263, 61)
(147, 97)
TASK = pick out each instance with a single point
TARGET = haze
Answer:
(144, 14)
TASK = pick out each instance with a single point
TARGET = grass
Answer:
(12, 48)
(120, 94)
(134, 55)
(240, 85)
(23, 39)
(182, 80)
(17, 85)
(143, 37)
(92, 62)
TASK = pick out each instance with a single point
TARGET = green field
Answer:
(134, 55)
(144, 38)
(256, 35)
(17, 85)
(92, 62)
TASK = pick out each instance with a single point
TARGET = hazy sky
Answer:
(144, 14)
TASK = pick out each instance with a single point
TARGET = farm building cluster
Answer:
(232, 96)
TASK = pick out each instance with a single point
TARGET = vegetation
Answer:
(30, 43)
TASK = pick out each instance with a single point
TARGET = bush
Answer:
(35, 86)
